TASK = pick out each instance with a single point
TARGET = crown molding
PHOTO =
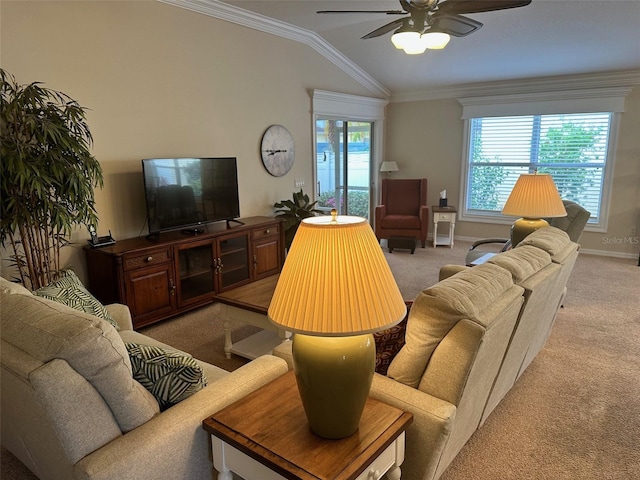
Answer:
(625, 79)
(239, 16)
(351, 106)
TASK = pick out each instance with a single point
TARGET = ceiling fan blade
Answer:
(387, 12)
(455, 25)
(385, 28)
(476, 6)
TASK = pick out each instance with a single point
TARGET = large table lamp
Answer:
(534, 196)
(335, 288)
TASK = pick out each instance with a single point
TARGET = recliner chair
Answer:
(573, 224)
(403, 211)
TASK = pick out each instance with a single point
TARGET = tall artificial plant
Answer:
(48, 176)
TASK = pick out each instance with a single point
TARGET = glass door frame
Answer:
(339, 165)
(338, 106)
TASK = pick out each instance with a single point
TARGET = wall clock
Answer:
(277, 150)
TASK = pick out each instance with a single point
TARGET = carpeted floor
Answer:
(575, 412)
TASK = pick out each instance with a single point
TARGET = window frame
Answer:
(608, 100)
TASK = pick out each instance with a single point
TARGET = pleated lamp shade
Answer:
(336, 281)
(534, 195)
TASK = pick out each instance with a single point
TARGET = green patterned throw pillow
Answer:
(169, 375)
(68, 290)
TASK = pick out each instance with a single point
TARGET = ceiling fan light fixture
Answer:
(402, 39)
(414, 43)
(435, 40)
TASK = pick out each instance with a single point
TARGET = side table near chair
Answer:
(266, 436)
(443, 214)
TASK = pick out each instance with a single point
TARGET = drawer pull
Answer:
(149, 259)
(267, 231)
(374, 474)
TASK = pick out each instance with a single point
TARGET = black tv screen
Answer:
(182, 193)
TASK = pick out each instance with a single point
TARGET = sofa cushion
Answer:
(171, 376)
(83, 421)
(522, 262)
(12, 288)
(389, 342)
(401, 221)
(550, 239)
(69, 290)
(91, 346)
(438, 309)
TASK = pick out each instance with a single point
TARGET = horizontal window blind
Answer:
(572, 148)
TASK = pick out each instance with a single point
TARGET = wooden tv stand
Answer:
(177, 272)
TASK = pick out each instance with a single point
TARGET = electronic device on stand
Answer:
(95, 241)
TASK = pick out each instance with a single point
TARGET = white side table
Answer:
(443, 214)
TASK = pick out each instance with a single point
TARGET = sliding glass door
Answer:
(344, 166)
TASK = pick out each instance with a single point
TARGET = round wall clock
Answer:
(277, 150)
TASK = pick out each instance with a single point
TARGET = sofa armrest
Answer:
(424, 214)
(447, 271)
(433, 421)
(379, 213)
(121, 314)
(173, 444)
(284, 351)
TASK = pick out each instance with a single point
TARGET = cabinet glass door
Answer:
(233, 261)
(195, 272)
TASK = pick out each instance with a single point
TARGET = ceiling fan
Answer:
(426, 22)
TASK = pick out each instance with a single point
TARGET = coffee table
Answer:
(266, 436)
(248, 305)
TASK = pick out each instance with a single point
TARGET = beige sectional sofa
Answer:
(71, 408)
(468, 339)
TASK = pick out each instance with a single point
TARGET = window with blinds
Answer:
(573, 148)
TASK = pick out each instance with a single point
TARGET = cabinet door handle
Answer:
(172, 287)
(255, 262)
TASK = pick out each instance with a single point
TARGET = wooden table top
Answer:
(270, 426)
(255, 296)
(439, 209)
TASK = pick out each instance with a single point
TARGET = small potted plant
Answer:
(293, 212)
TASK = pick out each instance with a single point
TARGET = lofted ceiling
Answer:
(547, 38)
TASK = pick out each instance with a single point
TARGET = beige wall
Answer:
(426, 138)
(164, 81)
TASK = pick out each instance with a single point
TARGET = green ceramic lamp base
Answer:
(334, 377)
(523, 227)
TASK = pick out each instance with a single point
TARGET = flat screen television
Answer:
(184, 193)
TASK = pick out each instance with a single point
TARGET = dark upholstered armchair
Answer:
(403, 211)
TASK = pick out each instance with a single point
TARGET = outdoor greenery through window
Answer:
(573, 148)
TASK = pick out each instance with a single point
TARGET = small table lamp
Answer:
(335, 288)
(388, 167)
(533, 196)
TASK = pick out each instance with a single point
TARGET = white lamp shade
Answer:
(336, 281)
(389, 167)
(414, 43)
(534, 195)
(435, 40)
(401, 39)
